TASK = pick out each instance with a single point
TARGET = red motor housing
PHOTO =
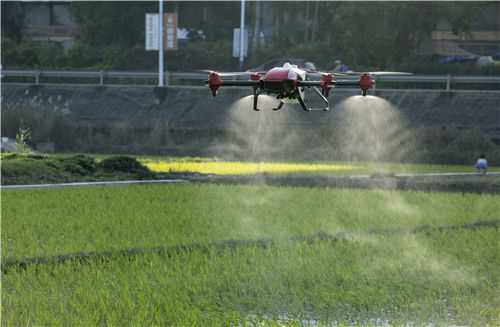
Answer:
(324, 83)
(254, 77)
(214, 82)
(326, 80)
(365, 83)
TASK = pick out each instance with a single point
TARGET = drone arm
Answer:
(327, 81)
(346, 82)
(236, 83)
(377, 73)
(240, 83)
(214, 82)
(308, 83)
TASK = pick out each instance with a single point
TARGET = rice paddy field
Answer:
(379, 268)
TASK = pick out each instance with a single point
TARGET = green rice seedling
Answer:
(60, 221)
(47, 222)
(378, 272)
(419, 279)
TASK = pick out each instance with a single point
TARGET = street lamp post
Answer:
(160, 45)
(242, 32)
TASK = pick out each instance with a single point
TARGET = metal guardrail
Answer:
(447, 80)
(109, 78)
(99, 76)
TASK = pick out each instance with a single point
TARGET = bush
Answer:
(124, 164)
(472, 141)
(79, 164)
(203, 55)
(23, 138)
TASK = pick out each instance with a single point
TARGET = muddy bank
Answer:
(467, 183)
(169, 251)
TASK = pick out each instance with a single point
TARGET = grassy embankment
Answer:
(40, 169)
(444, 277)
(36, 169)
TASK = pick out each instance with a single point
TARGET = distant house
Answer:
(50, 21)
(483, 40)
(53, 21)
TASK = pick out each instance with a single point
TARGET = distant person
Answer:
(482, 164)
(340, 67)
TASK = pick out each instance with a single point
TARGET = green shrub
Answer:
(123, 164)
(23, 138)
(79, 164)
(9, 155)
(36, 156)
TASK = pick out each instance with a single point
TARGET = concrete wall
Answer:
(190, 119)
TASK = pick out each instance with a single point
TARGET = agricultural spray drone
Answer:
(289, 83)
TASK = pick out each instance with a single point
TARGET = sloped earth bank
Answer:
(446, 182)
(473, 183)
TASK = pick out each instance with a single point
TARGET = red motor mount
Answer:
(365, 83)
(214, 82)
(254, 76)
(324, 83)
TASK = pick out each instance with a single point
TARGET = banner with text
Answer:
(169, 31)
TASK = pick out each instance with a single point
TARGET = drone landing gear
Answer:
(279, 106)
(318, 92)
(255, 99)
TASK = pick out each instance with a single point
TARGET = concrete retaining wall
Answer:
(190, 118)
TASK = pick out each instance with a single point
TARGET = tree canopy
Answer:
(366, 34)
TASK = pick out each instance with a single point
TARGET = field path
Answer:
(462, 182)
(105, 183)
(448, 182)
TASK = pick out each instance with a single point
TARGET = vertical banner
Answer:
(151, 36)
(170, 31)
(236, 43)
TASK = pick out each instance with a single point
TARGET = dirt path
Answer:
(82, 184)
(444, 182)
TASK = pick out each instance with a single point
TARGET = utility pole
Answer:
(161, 78)
(242, 32)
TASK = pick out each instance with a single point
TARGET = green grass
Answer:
(441, 277)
